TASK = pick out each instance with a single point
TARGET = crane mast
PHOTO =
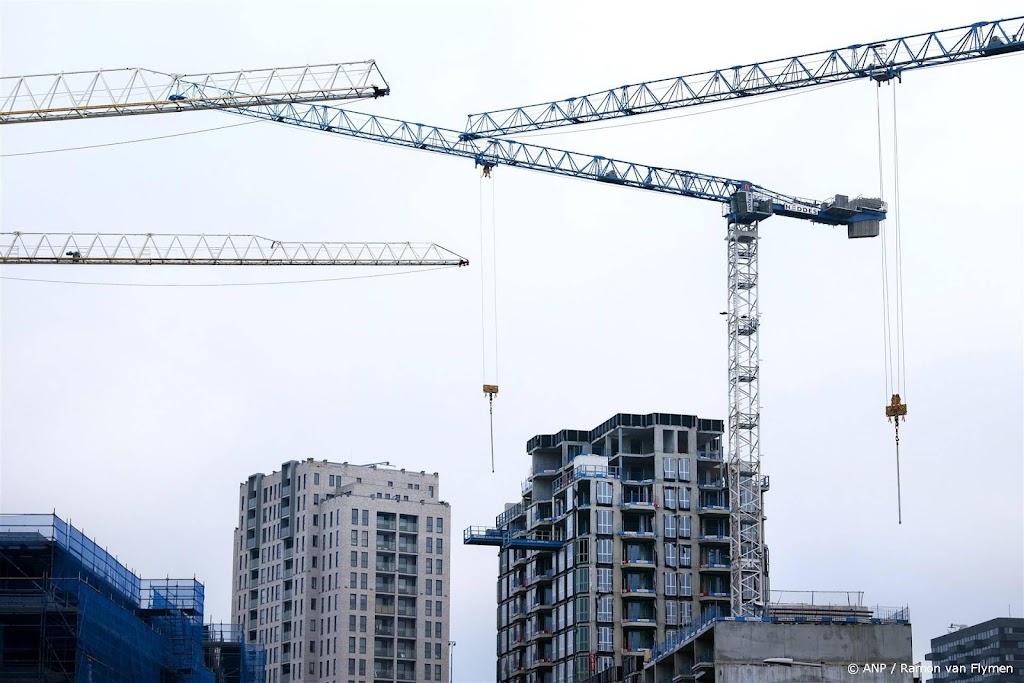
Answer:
(124, 92)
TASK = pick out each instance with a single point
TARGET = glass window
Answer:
(426, 671)
(604, 579)
(582, 580)
(604, 550)
(684, 469)
(670, 526)
(604, 521)
(684, 555)
(440, 591)
(669, 465)
(440, 564)
(437, 608)
(430, 566)
(684, 526)
(582, 639)
(670, 554)
(670, 583)
(366, 539)
(437, 672)
(430, 587)
(355, 516)
(440, 525)
(430, 544)
(684, 498)
(437, 650)
(671, 613)
(430, 523)
(352, 644)
(437, 629)
(351, 605)
(355, 537)
(354, 560)
(429, 613)
(316, 478)
(604, 608)
(366, 518)
(440, 546)
(670, 497)
(685, 585)
(604, 638)
(604, 493)
(426, 628)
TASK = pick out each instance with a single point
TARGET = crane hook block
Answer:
(896, 408)
(491, 389)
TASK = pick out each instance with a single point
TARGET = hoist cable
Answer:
(483, 311)
(901, 374)
(494, 269)
(887, 348)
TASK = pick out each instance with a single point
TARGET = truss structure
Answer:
(746, 535)
(191, 250)
(121, 92)
(881, 60)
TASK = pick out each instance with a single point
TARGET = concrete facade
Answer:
(342, 572)
(642, 504)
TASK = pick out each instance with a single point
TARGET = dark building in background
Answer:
(69, 611)
(990, 651)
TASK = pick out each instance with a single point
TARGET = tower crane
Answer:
(123, 92)
(881, 61)
(746, 205)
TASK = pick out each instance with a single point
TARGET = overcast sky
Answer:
(136, 412)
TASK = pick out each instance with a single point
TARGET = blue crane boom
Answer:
(860, 214)
(880, 60)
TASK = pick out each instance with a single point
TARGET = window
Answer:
(440, 525)
(426, 671)
(362, 604)
(330, 480)
(670, 583)
(685, 613)
(352, 645)
(670, 526)
(351, 605)
(604, 493)
(354, 559)
(684, 469)
(440, 564)
(604, 608)
(391, 484)
(440, 546)
(582, 580)
(366, 518)
(684, 555)
(684, 498)
(437, 629)
(430, 489)
(355, 516)
(437, 672)
(430, 544)
(362, 667)
(671, 612)
(670, 497)
(427, 652)
(669, 466)
(437, 608)
(362, 581)
(362, 646)
(362, 623)
(355, 537)
(685, 585)
(439, 589)
(428, 608)
(582, 639)
(604, 521)
(437, 650)
(426, 628)
(684, 526)
(352, 623)
(430, 566)
(582, 551)
(604, 638)
(670, 554)
(430, 587)
(316, 479)
(430, 523)
(366, 539)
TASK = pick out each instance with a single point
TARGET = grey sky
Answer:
(135, 412)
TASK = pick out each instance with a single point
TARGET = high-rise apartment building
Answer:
(990, 651)
(641, 506)
(342, 572)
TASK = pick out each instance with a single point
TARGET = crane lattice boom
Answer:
(881, 60)
(196, 250)
(123, 92)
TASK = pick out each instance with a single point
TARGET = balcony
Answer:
(713, 510)
(640, 592)
(640, 622)
(386, 524)
(385, 546)
(715, 456)
(708, 484)
(540, 605)
(406, 633)
(545, 576)
(649, 533)
(383, 609)
(541, 662)
(383, 652)
(639, 563)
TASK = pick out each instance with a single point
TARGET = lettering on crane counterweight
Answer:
(799, 208)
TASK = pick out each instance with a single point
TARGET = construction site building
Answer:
(69, 611)
(639, 510)
(342, 571)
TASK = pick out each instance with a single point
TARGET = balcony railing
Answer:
(709, 455)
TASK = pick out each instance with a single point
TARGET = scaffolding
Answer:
(230, 658)
(69, 611)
